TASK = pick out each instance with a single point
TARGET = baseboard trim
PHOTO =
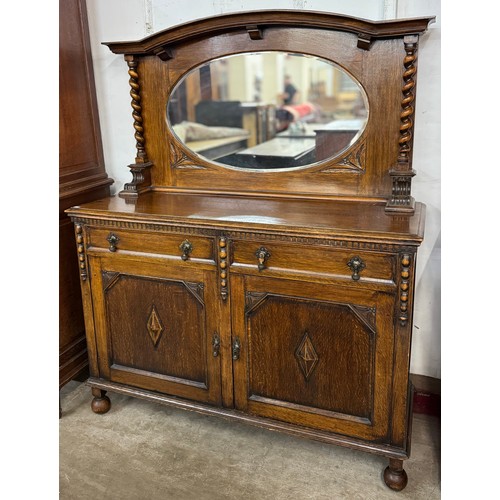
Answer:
(427, 395)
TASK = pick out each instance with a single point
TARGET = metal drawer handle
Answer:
(113, 240)
(186, 247)
(356, 265)
(262, 255)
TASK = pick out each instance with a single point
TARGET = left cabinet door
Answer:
(155, 325)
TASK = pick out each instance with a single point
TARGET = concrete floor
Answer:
(145, 451)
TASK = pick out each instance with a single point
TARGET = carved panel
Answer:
(321, 347)
(306, 356)
(141, 312)
(154, 326)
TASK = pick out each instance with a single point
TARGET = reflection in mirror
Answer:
(267, 110)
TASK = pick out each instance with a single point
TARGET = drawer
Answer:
(186, 247)
(313, 259)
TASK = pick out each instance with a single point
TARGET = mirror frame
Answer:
(357, 136)
(380, 55)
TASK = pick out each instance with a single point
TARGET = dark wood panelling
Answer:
(82, 175)
(281, 299)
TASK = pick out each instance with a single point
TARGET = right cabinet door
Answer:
(316, 355)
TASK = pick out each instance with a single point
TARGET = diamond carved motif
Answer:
(154, 326)
(306, 356)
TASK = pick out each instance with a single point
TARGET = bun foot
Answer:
(395, 476)
(101, 403)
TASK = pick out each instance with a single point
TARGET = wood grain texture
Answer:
(180, 360)
(283, 300)
(335, 39)
(82, 175)
(208, 27)
(300, 216)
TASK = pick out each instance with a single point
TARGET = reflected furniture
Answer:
(82, 174)
(335, 136)
(217, 148)
(280, 297)
(255, 118)
(290, 152)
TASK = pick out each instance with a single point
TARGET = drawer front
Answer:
(185, 247)
(266, 257)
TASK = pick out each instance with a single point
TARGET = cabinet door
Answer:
(313, 354)
(155, 326)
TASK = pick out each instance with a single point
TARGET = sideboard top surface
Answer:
(315, 217)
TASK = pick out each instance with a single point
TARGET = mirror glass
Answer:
(267, 110)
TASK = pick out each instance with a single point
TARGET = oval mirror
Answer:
(267, 110)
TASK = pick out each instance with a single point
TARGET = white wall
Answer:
(113, 20)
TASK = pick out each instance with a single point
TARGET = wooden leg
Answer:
(101, 403)
(395, 476)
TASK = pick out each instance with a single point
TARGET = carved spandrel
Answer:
(355, 161)
(179, 159)
(366, 314)
(253, 300)
(196, 290)
(109, 279)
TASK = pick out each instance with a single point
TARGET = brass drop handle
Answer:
(262, 255)
(113, 240)
(216, 345)
(186, 247)
(356, 265)
(236, 348)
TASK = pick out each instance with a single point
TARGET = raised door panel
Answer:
(155, 327)
(315, 355)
